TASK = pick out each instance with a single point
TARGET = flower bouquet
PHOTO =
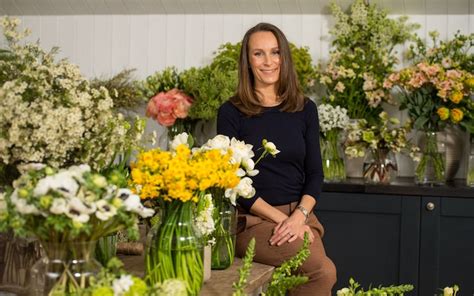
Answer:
(434, 97)
(362, 55)
(382, 141)
(68, 211)
(332, 121)
(224, 194)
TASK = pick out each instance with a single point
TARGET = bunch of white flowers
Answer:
(204, 221)
(331, 118)
(72, 204)
(242, 154)
(50, 114)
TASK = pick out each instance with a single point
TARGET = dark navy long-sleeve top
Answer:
(297, 169)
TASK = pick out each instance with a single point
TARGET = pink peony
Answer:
(165, 107)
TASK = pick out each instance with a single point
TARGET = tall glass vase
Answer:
(174, 249)
(65, 269)
(380, 166)
(430, 166)
(106, 248)
(470, 164)
(224, 235)
(333, 161)
(181, 126)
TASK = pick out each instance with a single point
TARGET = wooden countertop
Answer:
(220, 283)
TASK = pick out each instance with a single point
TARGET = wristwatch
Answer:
(304, 211)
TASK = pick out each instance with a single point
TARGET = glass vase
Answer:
(224, 235)
(380, 166)
(106, 249)
(470, 165)
(17, 256)
(174, 249)
(65, 269)
(333, 161)
(430, 163)
(180, 126)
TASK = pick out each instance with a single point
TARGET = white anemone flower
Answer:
(23, 168)
(133, 204)
(59, 206)
(78, 211)
(105, 211)
(122, 285)
(22, 205)
(62, 182)
(180, 139)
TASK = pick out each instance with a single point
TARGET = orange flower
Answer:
(443, 113)
(456, 115)
(456, 97)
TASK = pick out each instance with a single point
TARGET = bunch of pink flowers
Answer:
(450, 84)
(166, 107)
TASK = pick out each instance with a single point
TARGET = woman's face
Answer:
(264, 58)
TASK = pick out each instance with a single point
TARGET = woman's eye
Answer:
(276, 52)
(257, 54)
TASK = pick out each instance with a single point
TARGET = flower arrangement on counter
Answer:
(435, 96)
(332, 121)
(50, 114)
(381, 141)
(68, 210)
(363, 54)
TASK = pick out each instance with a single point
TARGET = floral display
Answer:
(332, 121)
(50, 114)
(362, 55)
(68, 210)
(435, 96)
(380, 140)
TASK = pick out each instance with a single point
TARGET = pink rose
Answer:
(166, 119)
(182, 103)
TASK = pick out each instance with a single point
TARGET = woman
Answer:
(270, 105)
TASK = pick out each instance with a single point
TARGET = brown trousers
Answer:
(318, 267)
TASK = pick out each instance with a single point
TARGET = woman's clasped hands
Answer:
(290, 229)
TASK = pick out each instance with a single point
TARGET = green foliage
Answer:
(305, 70)
(355, 290)
(362, 55)
(210, 87)
(160, 81)
(283, 278)
(122, 89)
(244, 270)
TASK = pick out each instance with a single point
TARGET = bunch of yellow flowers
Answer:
(180, 174)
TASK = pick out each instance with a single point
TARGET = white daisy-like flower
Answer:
(180, 139)
(105, 211)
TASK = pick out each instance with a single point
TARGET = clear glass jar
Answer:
(174, 249)
(106, 249)
(225, 233)
(332, 158)
(380, 166)
(470, 165)
(430, 163)
(65, 268)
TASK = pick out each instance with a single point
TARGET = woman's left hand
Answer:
(289, 230)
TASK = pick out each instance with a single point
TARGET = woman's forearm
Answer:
(264, 210)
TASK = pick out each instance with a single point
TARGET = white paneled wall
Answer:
(103, 45)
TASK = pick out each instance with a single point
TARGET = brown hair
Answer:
(289, 93)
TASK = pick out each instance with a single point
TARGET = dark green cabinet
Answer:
(382, 239)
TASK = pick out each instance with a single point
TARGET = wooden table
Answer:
(221, 281)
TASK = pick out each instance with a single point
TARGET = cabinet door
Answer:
(447, 245)
(372, 238)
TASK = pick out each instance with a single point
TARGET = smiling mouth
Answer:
(269, 71)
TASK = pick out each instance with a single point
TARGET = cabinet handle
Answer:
(430, 206)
